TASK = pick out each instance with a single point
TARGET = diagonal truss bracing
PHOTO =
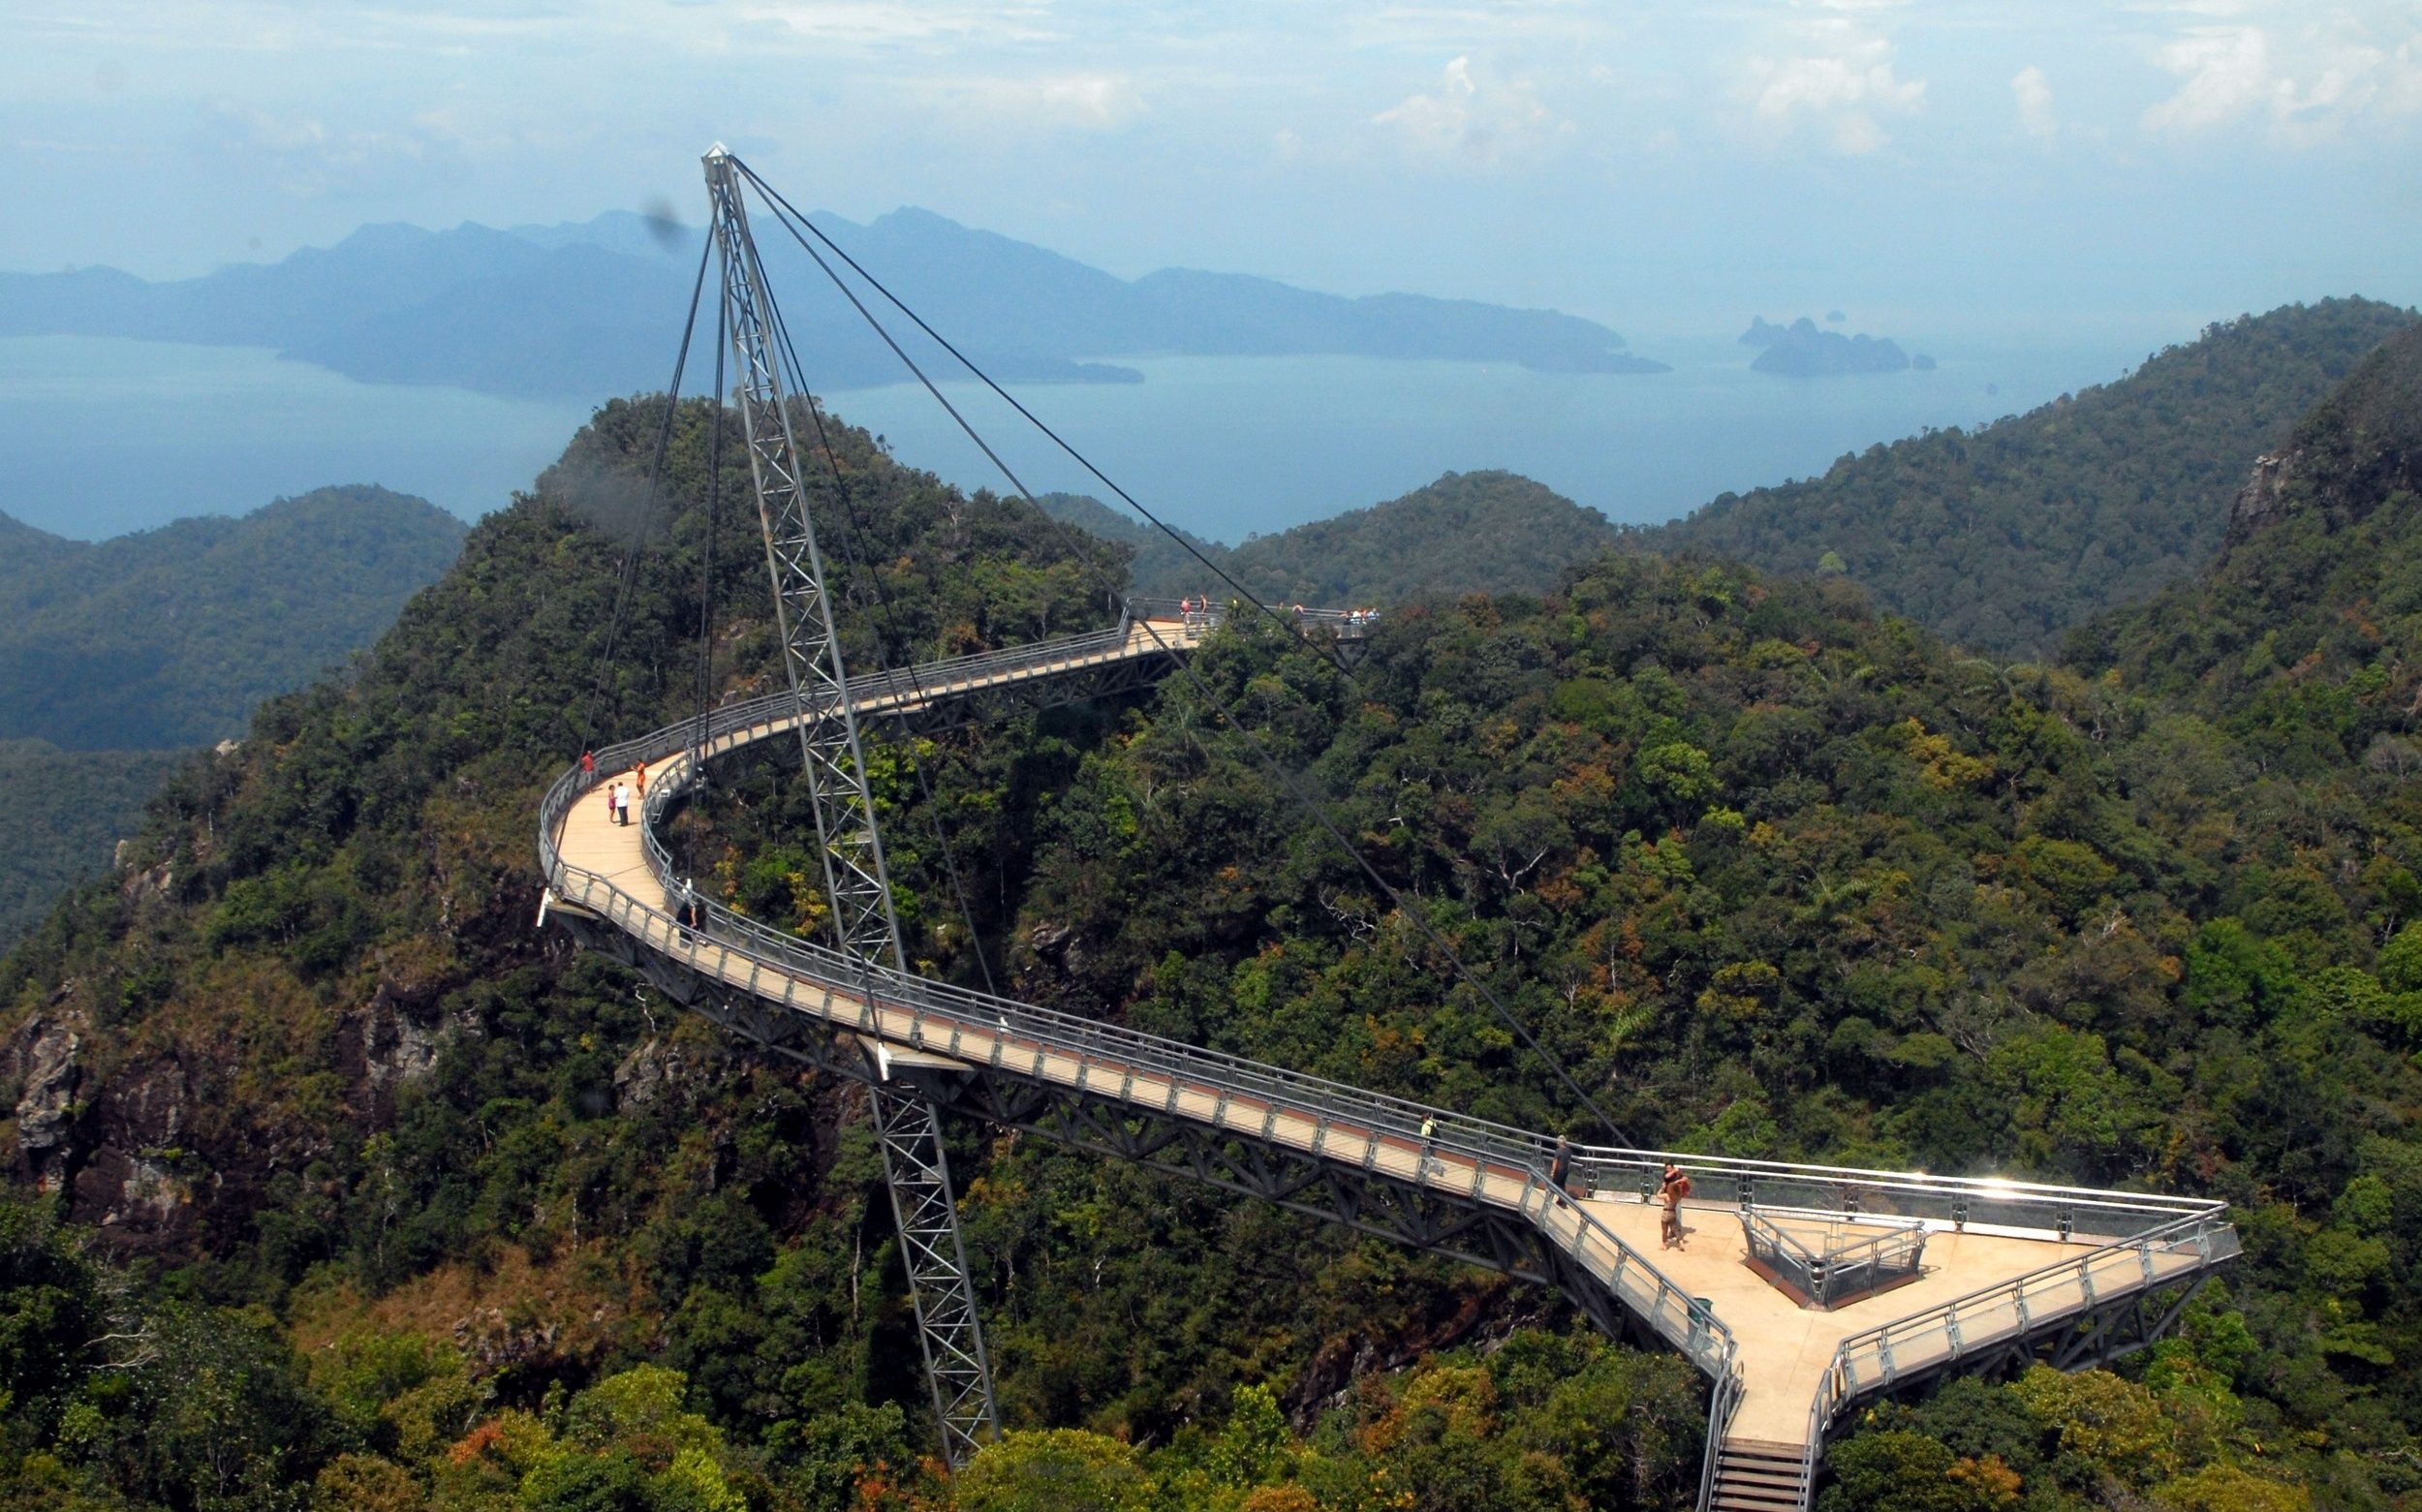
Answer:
(858, 885)
(936, 1260)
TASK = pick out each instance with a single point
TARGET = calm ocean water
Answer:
(103, 436)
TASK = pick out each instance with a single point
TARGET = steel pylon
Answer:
(910, 1129)
(858, 885)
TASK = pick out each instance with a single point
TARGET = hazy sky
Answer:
(1638, 162)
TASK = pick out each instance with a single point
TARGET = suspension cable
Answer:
(706, 601)
(1261, 751)
(870, 573)
(793, 213)
(647, 508)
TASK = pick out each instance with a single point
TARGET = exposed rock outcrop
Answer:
(44, 1060)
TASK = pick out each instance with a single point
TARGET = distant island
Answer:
(588, 310)
(1800, 349)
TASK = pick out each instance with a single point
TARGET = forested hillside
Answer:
(124, 649)
(2002, 537)
(484, 1223)
(66, 811)
(1492, 532)
(170, 636)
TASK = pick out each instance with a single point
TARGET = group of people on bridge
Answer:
(618, 796)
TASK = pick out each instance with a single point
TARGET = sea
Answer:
(103, 436)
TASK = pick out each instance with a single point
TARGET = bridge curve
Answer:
(2022, 1269)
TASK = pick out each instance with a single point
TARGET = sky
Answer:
(2028, 162)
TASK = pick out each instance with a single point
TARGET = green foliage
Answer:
(52, 1310)
(64, 814)
(2002, 537)
(170, 637)
(1488, 531)
(1059, 1469)
(1771, 874)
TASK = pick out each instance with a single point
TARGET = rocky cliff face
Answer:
(2351, 454)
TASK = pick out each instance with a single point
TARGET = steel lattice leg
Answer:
(910, 1130)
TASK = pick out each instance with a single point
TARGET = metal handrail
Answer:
(1843, 1381)
(1348, 624)
(1845, 1256)
(1720, 1403)
(961, 1022)
(1823, 1270)
(1723, 1180)
(946, 1017)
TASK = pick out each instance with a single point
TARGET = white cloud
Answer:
(2306, 77)
(2034, 95)
(1479, 118)
(304, 156)
(1054, 102)
(1844, 89)
(2227, 72)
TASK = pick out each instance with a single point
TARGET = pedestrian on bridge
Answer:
(1671, 1190)
(588, 763)
(1560, 1168)
(639, 773)
(618, 802)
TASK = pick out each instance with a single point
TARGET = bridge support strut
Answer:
(858, 885)
(909, 1128)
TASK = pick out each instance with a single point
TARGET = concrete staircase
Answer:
(1757, 1475)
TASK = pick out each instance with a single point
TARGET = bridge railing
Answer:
(1839, 1264)
(875, 692)
(951, 1020)
(2012, 1309)
(1952, 1202)
(1450, 1152)
(1457, 1155)
(1203, 613)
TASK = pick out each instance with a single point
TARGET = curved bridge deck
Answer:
(2010, 1270)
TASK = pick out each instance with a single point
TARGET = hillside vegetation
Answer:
(2002, 539)
(474, 1220)
(124, 649)
(1999, 539)
(170, 636)
(1492, 532)
(66, 811)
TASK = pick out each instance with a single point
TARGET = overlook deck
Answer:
(2011, 1270)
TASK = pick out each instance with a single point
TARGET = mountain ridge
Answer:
(1781, 877)
(516, 311)
(2003, 537)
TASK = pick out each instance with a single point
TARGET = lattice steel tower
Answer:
(857, 883)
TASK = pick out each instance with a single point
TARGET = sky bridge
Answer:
(2009, 1271)
(1797, 1290)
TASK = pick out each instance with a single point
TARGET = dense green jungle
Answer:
(1998, 539)
(341, 1186)
(116, 657)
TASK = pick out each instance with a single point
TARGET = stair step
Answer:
(1732, 1475)
(1768, 1496)
(1775, 1466)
